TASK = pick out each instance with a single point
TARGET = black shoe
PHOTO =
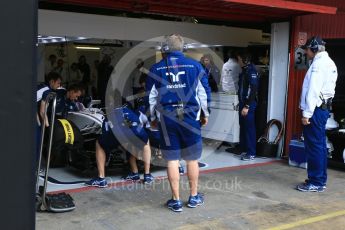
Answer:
(148, 178)
(307, 181)
(235, 150)
(181, 170)
(202, 165)
(195, 201)
(247, 157)
(308, 187)
(175, 205)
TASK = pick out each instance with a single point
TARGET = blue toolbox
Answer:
(297, 155)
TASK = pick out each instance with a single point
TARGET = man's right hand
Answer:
(204, 121)
(305, 121)
(244, 112)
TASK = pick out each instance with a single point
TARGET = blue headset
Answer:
(165, 48)
(314, 44)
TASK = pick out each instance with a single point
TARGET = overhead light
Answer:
(87, 48)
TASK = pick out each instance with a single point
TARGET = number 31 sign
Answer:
(301, 61)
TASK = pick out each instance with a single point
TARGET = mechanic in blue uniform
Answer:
(153, 134)
(54, 82)
(316, 98)
(125, 122)
(178, 91)
(139, 125)
(72, 98)
(247, 95)
(65, 101)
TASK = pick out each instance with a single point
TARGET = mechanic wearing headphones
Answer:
(247, 95)
(316, 99)
(178, 90)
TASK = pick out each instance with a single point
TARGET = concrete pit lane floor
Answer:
(258, 196)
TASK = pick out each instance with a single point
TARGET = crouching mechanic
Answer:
(317, 93)
(178, 91)
(131, 132)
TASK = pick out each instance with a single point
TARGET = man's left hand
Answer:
(154, 124)
(305, 121)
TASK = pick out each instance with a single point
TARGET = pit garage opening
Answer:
(62, 36)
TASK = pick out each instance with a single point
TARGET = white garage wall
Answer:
(98, 26)
(279, 61)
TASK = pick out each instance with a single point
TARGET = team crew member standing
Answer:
(317, 93)
(247, 94)
(230, 74)
(178, 90)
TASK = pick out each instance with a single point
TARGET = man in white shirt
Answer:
(317, 93)
(60, 69)
(230, 74)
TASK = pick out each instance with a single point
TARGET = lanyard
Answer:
(171, 82)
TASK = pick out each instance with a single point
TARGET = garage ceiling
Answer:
(224, 10)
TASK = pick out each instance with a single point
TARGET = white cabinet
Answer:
(223, 124)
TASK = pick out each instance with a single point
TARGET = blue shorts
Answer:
(135, 136)
(181, 140)
(154, 137)
(107, 139)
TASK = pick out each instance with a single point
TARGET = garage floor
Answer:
(69, 178)
(256, 196)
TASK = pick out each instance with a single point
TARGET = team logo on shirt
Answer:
(176, 79)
